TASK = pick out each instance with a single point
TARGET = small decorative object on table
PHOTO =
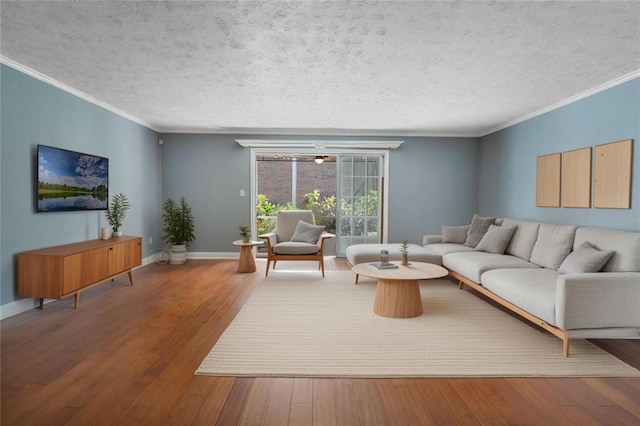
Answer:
(384, 256)
(404, 249)
(245, 232)
(384, 265)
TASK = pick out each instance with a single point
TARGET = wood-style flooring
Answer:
(127, 356)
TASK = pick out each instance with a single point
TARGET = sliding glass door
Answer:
(344, 189)
(360, 200)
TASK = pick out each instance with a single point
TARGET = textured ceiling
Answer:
(389, 67)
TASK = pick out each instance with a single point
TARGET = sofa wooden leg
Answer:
(322, 266)
(266, 273)
(565, 346)
(357, 276)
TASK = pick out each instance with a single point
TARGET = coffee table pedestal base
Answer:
(398, 298)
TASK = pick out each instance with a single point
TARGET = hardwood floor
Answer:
(127, 356)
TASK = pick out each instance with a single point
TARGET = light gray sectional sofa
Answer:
(536, 269)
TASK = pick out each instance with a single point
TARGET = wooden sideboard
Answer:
(62, 271)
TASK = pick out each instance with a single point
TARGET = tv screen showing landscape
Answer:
(71, 181)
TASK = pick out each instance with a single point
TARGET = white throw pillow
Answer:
(454, 234)
(306, 233)
(585, 258)
(496, 239)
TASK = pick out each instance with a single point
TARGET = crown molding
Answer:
(369, 133)
(608, 85)
(75, 92)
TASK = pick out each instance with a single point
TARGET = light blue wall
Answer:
(432, 182)
(507, 178)
(33, 112)
(209, 171)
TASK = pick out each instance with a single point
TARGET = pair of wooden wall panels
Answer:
(564, 179)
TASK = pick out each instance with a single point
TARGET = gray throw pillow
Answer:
(454, 234)
(496, 239)
(306, 233)
(477, 229)
(585, 258)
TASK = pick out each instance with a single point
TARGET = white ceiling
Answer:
(344, 68)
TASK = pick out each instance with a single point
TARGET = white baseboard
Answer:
(14, 308)
(212, 255)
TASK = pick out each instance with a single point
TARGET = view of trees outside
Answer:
(314, 185)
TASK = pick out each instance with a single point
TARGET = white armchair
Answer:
(292, 240)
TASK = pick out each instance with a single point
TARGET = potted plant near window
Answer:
(178, 229)
(245, 232)
(117, 211)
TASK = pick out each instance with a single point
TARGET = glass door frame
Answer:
(293, 151)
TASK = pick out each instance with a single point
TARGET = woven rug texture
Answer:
(301, 325)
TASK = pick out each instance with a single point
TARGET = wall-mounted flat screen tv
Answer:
(71, 181)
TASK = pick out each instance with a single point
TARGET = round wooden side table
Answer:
(246, 263)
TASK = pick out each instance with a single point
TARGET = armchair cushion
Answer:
(306, 233)
(295, 248)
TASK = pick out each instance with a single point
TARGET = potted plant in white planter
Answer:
(117, 211)
(178, 229)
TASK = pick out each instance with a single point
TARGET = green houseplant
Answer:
(245, 232)
(117, 211)
(404, 250)
(178, 228)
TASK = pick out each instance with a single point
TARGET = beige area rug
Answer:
(298, 324)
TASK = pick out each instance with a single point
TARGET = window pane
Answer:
(359, 188)
(347, 166)
(373, 168)
(359, 167)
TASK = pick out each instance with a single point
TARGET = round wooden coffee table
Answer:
(398, 291)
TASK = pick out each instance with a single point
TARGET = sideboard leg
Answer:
(130, 277)
(77, 301)
(41, 306)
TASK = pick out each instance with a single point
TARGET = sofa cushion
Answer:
(523, 238)
(553, 245)
(625, 245)
(446, 248)
(533, 290)
(477, 229)
(473, 264)
(454, 234)
(365, 253)
(306, 233)
(294, 247)
(584, 259)
(496, 239)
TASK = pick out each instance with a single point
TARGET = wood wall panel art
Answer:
(576, 178)
(612, 175)
(548, 180)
